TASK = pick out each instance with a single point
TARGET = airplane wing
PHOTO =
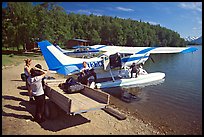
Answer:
(62, 50)
(85, 49)
(142, 50)
(80, 46)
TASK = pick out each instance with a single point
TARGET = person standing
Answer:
(27, 68)
(36, 85)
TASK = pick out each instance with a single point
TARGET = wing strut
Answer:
(142, 57)
(112, 75)
(151, 59)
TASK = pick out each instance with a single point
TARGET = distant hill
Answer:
(194, 40)
(197, 41)
(189, 38)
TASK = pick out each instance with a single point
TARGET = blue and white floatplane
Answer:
(106, 65)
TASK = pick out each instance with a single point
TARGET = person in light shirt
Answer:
(85, 68)
(86, 75)
(35, 82)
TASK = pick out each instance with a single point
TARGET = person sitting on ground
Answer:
(27, 68)
(134, 69)
(36, 85)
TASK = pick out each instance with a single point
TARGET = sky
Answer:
(182, 17)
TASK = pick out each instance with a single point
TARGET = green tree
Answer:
(24, 23)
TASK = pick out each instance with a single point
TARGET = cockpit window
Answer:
(126, 54)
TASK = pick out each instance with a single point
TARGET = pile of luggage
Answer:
(71, 86)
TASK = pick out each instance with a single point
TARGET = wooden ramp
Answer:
(74, 103)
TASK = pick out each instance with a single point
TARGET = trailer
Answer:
(86, 100)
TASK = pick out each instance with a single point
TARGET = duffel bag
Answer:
(23, 76)
(76, 88)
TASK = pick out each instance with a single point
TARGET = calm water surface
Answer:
(176, 104)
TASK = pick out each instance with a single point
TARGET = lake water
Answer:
(175, 105)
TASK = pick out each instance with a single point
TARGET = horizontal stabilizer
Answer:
(66, 70)
(62, 50)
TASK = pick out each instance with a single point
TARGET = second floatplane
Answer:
(114, 63)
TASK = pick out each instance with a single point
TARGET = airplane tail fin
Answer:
(49, 56)
(57, 61)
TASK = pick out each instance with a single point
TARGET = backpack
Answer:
(23, 76)
(70, 81)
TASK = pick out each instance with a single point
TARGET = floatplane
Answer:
(113, 63)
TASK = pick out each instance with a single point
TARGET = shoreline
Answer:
(121, 106)
(17, 114)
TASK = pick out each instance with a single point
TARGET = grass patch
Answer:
(8, 60)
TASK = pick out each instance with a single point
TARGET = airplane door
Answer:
(106, 63)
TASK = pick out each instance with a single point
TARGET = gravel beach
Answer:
(17, 114)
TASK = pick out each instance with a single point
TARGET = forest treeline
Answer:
(24, 23)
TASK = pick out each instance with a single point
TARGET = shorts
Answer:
(27, 84)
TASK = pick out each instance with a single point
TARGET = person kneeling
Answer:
(134, 69)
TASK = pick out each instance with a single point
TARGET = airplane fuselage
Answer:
(102, 63)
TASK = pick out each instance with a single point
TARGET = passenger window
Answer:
(127, 54)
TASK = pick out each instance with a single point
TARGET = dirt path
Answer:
(17, 114)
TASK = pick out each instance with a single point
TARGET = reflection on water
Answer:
(131, 93)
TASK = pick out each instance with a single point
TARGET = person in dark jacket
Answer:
(134, 69)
